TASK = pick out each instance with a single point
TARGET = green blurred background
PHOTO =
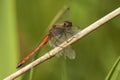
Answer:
(23, 24)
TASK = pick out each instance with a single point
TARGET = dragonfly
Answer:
(59, 33)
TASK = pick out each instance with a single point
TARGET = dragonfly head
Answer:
(67, 24)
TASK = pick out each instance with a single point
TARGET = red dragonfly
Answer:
(57, 34)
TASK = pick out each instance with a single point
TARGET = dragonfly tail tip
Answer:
(19, 65)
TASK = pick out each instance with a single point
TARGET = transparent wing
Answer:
(66, 52)
(61, 16)
(72, 31)
(57, 40)
(69, 52)
(64, 15)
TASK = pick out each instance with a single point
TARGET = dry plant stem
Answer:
(74, 38)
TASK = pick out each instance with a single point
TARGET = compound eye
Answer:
(68, 24)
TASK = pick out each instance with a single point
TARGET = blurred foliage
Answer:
(114, 73)
(8, 38)
(96, 53)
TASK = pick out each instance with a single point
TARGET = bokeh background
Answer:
(23, 24)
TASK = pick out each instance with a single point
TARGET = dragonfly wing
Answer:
(66, 52)
(69, 52)
(52, 44)
(72, 31)
(64, 15)
(68, 33)
(57, 40)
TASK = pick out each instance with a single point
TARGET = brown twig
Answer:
(74, 38)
